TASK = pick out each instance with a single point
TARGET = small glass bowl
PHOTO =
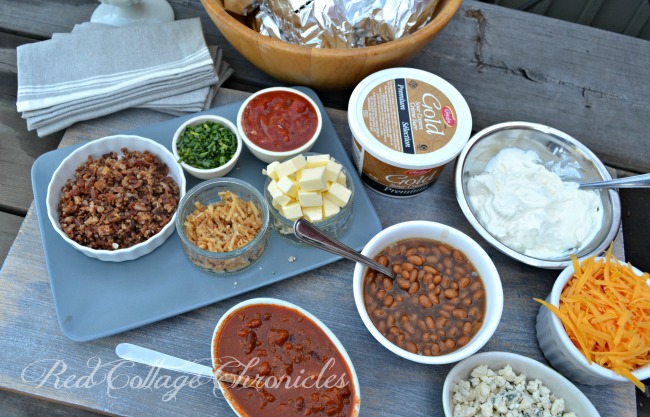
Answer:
(335, 226)
(223, 263)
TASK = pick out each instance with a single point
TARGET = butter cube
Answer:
(333, 169)
(329, 209)
(313, 214)
(291, 166)
(338, 194)
(292, 211)
(288, 186)
(314, 161)
(310, 198)
(270, 170)
(342, 179)
(313, 179)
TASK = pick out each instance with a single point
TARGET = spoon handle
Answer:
(308, 233)
(150, 357)
(636, 181)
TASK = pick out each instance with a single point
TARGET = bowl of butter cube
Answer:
(311, 186)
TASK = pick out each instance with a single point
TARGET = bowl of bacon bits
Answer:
(223, 224)
(115, 198)
(594, 326)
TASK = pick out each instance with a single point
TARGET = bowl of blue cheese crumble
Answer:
(511, 385)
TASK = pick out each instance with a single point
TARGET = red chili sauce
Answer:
(279, 121)
(304, 373)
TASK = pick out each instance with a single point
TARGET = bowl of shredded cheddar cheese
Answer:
(594, 327)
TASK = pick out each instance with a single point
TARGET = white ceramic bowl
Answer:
(97, 148)
(274, 301)
(266, 155)
(574, 399)
(576, 163)
(206, 174)
(457, 239)
(560, 351)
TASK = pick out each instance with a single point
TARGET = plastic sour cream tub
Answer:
(407, 124)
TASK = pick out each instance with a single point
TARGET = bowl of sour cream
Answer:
(517, 184)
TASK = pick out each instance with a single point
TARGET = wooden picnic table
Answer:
(509, 65)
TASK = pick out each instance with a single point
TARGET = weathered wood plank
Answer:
(18, 147)
(17, 405)
(9, 225)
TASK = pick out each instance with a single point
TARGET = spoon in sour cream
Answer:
(635, 181)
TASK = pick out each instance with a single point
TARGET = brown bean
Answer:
(405, 274)
(394, 330)
(441, 333)
(452, 332)
(415, 287)
(414, 275)
(454, 286)
(381, 294)
(407, 267)
(434, 298)
(445, 282)
(437, 290)
(425, 337)
(409, 328)
(401, 337)
(428, 278)
(430, 269)
(432, 259)
(464, 282)
(475, 286)
(428, 352)
(441, 322)
(459, 313)
(467, 327)
(381, 326)
(434, 337)
(391, 320)
(473, 311)
(370, 276)
(424, 301)
(404, 318)
(403, 283)
(422, 325)
(448, 307)
(449, 343)
(463, 340)
(444, 313)
(460, 270)
(415, 260)
(451, 293)
(400, 298)
(444, 249)
(430, 322)
(383, 260)
(478, 294)
(397, 268)
(423, 250)
(411, 347)
(389, 300)
(458, 256)
(379, 313)
(411, 251)
(431, 287)
(388, 284)
(435, 348)
(421, 274)
(437, 279)
(447, 262)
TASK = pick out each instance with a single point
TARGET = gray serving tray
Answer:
(94, 299)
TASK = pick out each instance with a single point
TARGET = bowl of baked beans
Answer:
(446, 300)
(115, 198)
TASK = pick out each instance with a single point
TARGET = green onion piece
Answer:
(206, 146)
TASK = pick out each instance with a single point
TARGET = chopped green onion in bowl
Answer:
(207, 145)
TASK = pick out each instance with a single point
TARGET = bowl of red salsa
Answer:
(278, 122)
(302, 365)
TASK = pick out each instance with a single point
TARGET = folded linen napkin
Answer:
(112, 69)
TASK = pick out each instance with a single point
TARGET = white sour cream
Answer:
(530, 209)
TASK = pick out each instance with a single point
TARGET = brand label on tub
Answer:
(390, 179)
(409, 116)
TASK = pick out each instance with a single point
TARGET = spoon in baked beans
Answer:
(306, 232)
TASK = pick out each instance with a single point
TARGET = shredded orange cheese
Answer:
(605, 310)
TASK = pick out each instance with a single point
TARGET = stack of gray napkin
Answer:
(97, 70)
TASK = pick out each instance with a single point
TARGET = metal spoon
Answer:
(636, 181)
(308, 233)
(150, 357)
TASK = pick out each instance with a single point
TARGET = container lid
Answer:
(409, 117)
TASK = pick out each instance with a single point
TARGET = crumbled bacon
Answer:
(114, 203)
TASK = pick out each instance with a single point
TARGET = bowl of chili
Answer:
(446, 301)
(207, 146)
(303, 367)
(278, 123)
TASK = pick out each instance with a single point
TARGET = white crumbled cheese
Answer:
(504, 394)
